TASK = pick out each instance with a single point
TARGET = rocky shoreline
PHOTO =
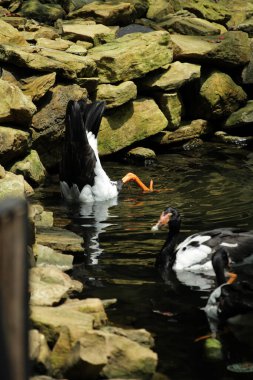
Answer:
(173, 73)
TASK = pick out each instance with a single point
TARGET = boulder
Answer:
(159, 9)
(49, 286)
(76, 318)
(207, 9)
(128, 359)
(40, 217)
(95, 33)
(223, 137)
(130, 123)
(14, 186)
(191, 25)
(13, 144)
(217, 97)
(15, 107)
(131, 56)
(57, 44)
(109, 13)
(195, 129)
(230, 49)
(67, 65)
(10, 35)
(31, 168)
(116, 95)
(60, 239)
(172, 107)
(139, 155)
(177, 74)
(40, 11)
(37, 86)
(46, 256)
(39, 352)
(243, 117)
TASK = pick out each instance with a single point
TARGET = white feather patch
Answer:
(231, 245)
(189, 255)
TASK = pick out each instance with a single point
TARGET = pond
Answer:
(212, 188)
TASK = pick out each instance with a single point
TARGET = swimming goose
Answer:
(82, 178)
(229, 301)
(214, 250)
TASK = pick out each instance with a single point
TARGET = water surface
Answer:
(212, 188)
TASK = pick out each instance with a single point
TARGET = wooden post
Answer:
(13, 290)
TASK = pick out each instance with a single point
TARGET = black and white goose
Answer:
(215, 250)
(82, 178)
(231, 303)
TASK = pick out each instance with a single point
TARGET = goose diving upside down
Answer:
(215, 250)
(82, 178)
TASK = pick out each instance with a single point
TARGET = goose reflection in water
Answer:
(91, 219)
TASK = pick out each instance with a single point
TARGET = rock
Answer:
(31, 168)
(10, 35)
(221, 136)
(207, 9)
(128, 359)
(191, 48)
(159, 9)
(192, 144)
(217, 97)
(172, 106)
(77, 49)
(13, 143)
(15, 107)
(40, 217)
(140, 336)
(141, 155)
(87, 358)
(48, 124)
(60, 239)
(14, 186)
(37, 86)
(39, 352)
(230, 49)
(130, 123)
(247, 72)
(2, 172)
(57, 44)
(116, 95)
(131, 56)
(47, 13)
(195, 129)
(46, 256)
(66, 65)
(243, 117)
(49, 285)
(34, 31)
(106, 13)
(78, 65)
(50, 319)
(95, 33)
(191, 26)
(173, 78)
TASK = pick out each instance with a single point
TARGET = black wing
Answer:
(78, 158)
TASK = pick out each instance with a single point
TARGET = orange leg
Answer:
(232, 277)
(133, 177)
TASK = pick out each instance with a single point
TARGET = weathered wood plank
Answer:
(13, 290)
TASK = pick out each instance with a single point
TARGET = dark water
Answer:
(212, 187)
